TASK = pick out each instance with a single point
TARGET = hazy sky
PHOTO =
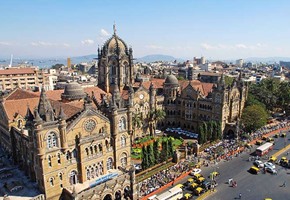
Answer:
(216, 29)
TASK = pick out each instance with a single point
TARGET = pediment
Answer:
(190, 92)
(85, 114)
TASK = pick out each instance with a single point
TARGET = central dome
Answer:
(73, 91)
(115, 45)
(171, 79)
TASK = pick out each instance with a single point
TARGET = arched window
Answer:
(58, 158)
(51, 181)
(97, 171)
(91, 149)
(100, 148)
(124, 159)
(51, 140)
(123, 141)
(68, 155)
(73, 179)
(49, 161)
(110, 163)
(87, 151)
(60, 176)
(88, 174)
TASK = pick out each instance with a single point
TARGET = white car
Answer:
(259, 163)
(195, 171)
(269, 165)
(271, 170)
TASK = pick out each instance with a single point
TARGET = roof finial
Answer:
(114, 28)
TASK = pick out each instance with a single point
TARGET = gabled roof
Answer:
(204, 88)
(157, 83)
(19, 94)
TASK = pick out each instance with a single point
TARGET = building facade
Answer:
(190, 103)
(75, 143)
(26, 78)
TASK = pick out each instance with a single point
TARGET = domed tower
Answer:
(171, 87)
(115, 62)
(73, 91)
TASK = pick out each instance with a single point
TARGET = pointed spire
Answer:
(29, 116)
(114, 28)
(45, 110)
(37, 117)
(61, 114)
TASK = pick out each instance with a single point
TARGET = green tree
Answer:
(254, 117)
(144, 163)
(170, 150)
(156, 151)
(151, 157)
(201, 134)
(164, 151)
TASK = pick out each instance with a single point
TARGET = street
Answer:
(250, 186)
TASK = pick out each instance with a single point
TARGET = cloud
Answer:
(87, 42)
(48, 44)
(104, 33)
(207, 46)
(5, 43)
(152, 46)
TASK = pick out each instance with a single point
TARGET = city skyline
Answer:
(183, 29)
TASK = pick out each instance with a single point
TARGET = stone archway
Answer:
(118, 195)
(108, 197)
(127, 192)
(230, 134)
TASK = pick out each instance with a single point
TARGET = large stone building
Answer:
(189, 103)
(75, 143)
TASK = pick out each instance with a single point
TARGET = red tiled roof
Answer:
(204, 88)
(17, 71)
(18, 94)
(157, 83)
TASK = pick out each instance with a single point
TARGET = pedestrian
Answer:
(240, 196)
(284, 184)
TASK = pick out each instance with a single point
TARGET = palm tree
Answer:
(137, 122)
(157, 116)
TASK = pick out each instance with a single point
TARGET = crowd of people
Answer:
(162, 178)
(229, 148)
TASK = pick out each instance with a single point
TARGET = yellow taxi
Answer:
(254, 170)
(200, 180)
(273, 159)
(276, 135)
(197, 176)
(248, 145)
(180, 186)
(193, 186)
(283, 135)
(264, 138)
(187, 196)
(198, 191)
(189, 181)
(269, 139)
(259, 142)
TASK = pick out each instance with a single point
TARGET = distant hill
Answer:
(158, 57)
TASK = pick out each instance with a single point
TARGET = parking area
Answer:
(13, 182)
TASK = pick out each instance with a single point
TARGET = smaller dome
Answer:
(73, 91)
(171, 79)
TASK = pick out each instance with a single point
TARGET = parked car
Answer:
(271, 170)
(269, 165)
(273, 159)
(195, 171)
(259, 163)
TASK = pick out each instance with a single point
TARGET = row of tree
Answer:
(209, 131)
(275, 95)
(151, 154)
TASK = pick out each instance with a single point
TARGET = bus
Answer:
(174, 193)
(264, 149)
